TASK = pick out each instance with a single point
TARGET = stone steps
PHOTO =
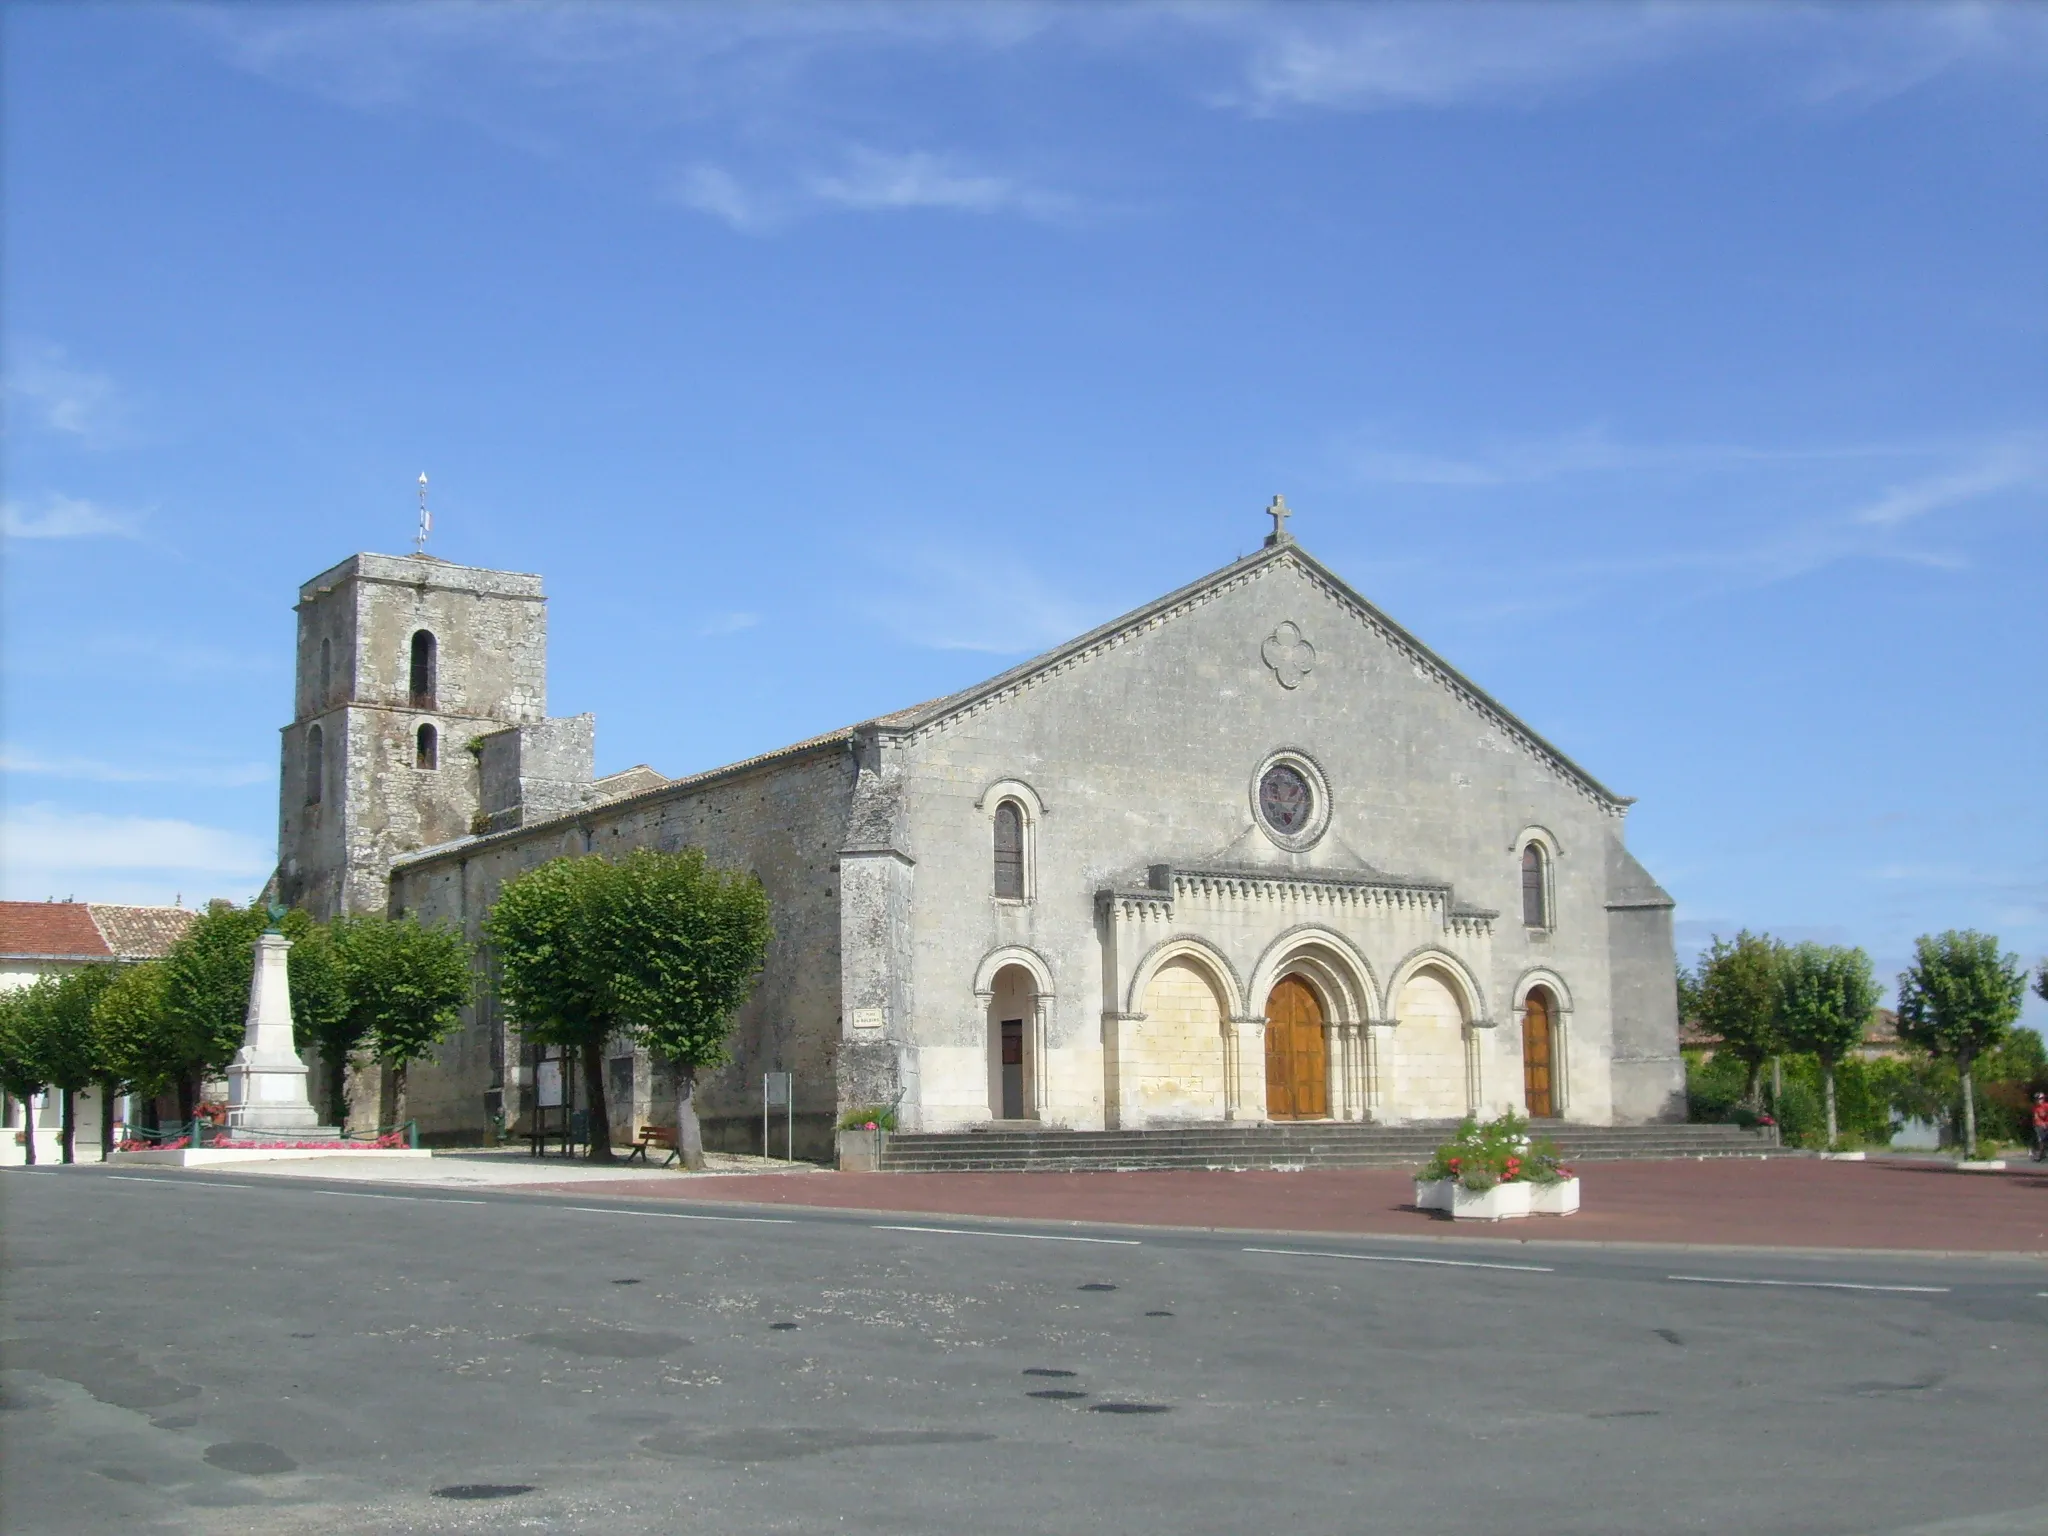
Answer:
(1270, 1146)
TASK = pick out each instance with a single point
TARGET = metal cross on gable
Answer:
(1279, 511)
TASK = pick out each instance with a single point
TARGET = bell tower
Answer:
(403, 663)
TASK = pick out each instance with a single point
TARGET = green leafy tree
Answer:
(206, 988)
(22, 1072)
(138, 1041)
(1737, 999)
(689, 940)
(70, 1049)
(1957, 1001)
(1828, 996)
(404, 986)
(556, 971)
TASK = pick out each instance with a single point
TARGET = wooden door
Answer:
(1538, 1040)
(1297, 1061)
(1013, 1069)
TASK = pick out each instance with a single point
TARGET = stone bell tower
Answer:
(403, 663)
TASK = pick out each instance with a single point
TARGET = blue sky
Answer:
(1677, 372)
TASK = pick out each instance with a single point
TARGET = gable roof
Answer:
(937, 712)
(1283, 552)
(50, 930)
(141, 933)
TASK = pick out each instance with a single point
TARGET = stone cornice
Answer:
(1355, 888)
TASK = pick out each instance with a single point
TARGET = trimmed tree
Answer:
(138, 1045)
(555, 971)
(70, 1049)
(22, 1072)
(1958, 1001)
(405, 987)
(1829, 994)
(1738, 996)
(690, 940)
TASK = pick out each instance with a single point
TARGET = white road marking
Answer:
(1811, 1285)
(1391, 1258)
(608, 1210)
(1035, 1237)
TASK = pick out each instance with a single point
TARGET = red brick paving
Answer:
(1781, 1202)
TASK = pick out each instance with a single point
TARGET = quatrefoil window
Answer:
(1289, 654)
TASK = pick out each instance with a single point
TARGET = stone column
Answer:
(1250, 1031)
(1333, 1071)
(267, 1080)
(1233, 1072)
(1379, 1065)
(1036, 1088)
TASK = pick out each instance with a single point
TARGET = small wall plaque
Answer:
(869, 1018)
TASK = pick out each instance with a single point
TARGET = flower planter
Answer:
(1559, 1199)
(861, 1151)
(1503, 1202)
(1433, 1194)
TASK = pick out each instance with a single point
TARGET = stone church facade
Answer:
(1251, 852)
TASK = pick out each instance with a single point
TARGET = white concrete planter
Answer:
(1559, 1199)
(860, 1151)
(1433, 1194)
(1503, 1202)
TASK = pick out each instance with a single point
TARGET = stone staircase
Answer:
(1008, 1149)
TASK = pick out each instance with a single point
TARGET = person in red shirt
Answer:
(2040, 1126)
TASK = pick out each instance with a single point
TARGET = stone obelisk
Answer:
(267, 1080)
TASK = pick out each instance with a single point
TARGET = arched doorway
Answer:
(1539, 1047)
(1012, 1009)
(1297, 1059)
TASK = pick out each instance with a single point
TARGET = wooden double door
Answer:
(1539, 1050)
(1297, 1056)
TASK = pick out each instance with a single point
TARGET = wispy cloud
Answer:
(949, 602)
(89, 771)
(45, 841)
(729, 623)
(2012, 465)
(68, 517)
(58, 396)
(864, 180)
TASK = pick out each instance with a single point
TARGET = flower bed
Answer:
(1495, 1172)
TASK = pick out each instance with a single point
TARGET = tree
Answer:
(690, 940)
(70, 1051)
(1738, 996)
(137, 1039)
(22, 1073)
(555, 970)
(1958, 1000)
(405, 986)
(1828, 994)
(206, 988)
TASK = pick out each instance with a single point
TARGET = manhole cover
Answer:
(1057, 1394)
(483, 1490)
(1129, 1408)
(1045, 1370)
(1095, 1285)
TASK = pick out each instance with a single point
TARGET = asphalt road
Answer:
(205, 1352)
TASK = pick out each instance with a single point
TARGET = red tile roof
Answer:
(141, 933)
(51, 928)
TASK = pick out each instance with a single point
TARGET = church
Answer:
(1251, 853)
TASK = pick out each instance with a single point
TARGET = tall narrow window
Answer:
(316, 765)
(423, 669)
(326, 673)
(1535, 887)
(427, 748)
(1009, 852)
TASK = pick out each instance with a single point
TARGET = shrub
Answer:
(871, 1117)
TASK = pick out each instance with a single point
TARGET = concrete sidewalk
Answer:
(1923, 1207)
(515, 1167)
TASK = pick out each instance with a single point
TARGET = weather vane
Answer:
(419, 540)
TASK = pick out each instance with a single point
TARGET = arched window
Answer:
(316, 765)
(326, 672)
(1009, 851)
(423, 669)
(427, 748)
(1535, 887)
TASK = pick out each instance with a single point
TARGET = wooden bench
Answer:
(661, 1138)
